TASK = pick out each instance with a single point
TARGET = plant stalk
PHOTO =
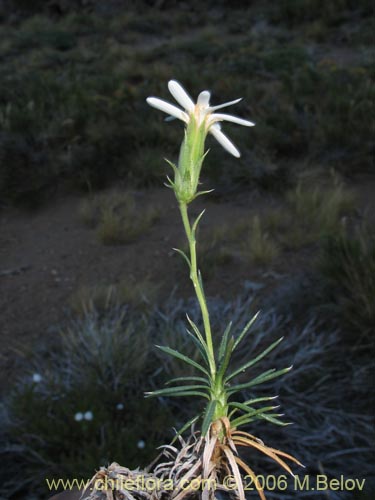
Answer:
(198, 287)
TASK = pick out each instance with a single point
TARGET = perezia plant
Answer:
(225, 412)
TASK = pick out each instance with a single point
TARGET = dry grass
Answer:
(259, 247)
(321, 208)
(137, 294)
(117, 217)
(347, 267)
(89, 298)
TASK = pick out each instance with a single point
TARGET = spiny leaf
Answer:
(175, 169)
(252, 362)
(199, 347)
(200, 193)
(224, 341)
(250, 414)
(245, 330)
(259, 400)
(243, 420)
(228, 353)
(197, 332)
(249, 409)
(197, 220)
(172, 392)
(183, 254)
(264, 377)
(207, 419)
(182, 357)
(274, 420)
(171, 184)
(182, 379)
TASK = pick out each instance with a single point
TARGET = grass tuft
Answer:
(317, 212)
(347, 266)
(117, 217)
(259, 247)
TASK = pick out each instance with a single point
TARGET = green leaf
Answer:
(200, 193)
(171, 184)
(264, 377)
(252, 362)
(199, 347)
(274, 420)
(259, 400)
(224, 341)
(183, 390)
(207, 419)
(175, 169)
(182, 379)
(251, 411)
(251, 416)
(225, 362)
(240, 421)
(197, 220)
(182, 357)
(183, 254)
(197, 333)
(245, 330)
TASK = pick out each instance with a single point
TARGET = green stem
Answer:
(198, 288)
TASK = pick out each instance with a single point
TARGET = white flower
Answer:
(201, 111)
(88, 415)
(78, 416)
(37, 378)
(119, 406)
(141, 444)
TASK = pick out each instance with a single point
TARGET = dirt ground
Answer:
(46, 255)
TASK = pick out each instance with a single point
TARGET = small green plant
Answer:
(224, 414)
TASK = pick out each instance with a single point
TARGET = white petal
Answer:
(223, 140)
(180, 94)
(229, 118)
(214, 108)
(204, 98)
(167, 108)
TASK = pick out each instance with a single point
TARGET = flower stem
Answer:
(198, 287)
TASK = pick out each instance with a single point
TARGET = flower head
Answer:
(201, 113)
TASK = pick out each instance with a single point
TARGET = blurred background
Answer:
(88, 279)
